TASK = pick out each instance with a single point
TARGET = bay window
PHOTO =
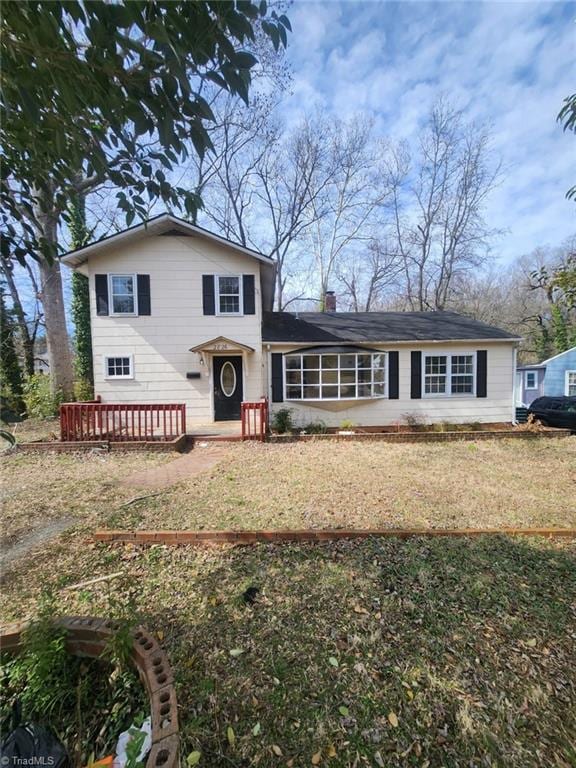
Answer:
(335, 376)
(448, 374)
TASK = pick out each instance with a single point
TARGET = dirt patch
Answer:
(18, 546)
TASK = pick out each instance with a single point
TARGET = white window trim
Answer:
(111, 295)
(449, 356)
(115, 355)
(566, 380)
(240, 312)
(334, 399)
(526, 373)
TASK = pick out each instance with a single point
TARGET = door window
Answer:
(228, 379)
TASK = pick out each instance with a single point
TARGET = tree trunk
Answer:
(61, 372)
(26, 338)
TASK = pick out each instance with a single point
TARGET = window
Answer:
(449, 374)
(530, 379)
(571, 383)
(123, 294)
(353, 376)
(118, 368)
(228, 295)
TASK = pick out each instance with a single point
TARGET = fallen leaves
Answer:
(393, 719)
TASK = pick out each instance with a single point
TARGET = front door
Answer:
(228, 389)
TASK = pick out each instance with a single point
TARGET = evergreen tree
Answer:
(10, 374)
(81, 302)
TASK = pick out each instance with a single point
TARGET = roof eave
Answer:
(309, 342)
(79, 256)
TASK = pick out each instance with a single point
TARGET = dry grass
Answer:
(368, 485)
(304, 485)
(374, 653)
(35, 430)
(42, 488)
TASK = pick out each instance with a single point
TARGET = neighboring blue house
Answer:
(552, 377)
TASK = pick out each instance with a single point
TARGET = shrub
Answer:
(414, 420)
(347, 424)
(315, 428)
(282, 421)
(83, 391)
(40, 401)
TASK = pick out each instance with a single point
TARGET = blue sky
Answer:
(508, 63)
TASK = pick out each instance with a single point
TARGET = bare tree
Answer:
(343, 210)
(28, 322)
(370, 276)
(438, 199)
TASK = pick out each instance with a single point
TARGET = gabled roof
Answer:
(566, 351)
(338, 327)
(163, 224)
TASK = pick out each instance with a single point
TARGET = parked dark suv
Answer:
(555, 411)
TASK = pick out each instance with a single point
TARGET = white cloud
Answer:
(508, 64)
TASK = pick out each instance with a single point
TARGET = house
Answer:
(180, 314)
(553, 377)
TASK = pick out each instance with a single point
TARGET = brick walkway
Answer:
(198, 460)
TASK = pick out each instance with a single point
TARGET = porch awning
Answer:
(221, 344)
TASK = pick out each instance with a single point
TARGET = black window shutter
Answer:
(393, 383)
(416, 375)
(208, 301)
(482, 373)
(277, 378)
(144, 307)
(101, 285)
(248, 293)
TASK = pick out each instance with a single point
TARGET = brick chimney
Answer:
(329, 301)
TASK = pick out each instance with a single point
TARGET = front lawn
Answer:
(302, 485)
(447, 652)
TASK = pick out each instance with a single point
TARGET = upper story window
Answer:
(571, 383)
(449, 375)
(123, 294)
(353, 376)
(228, 295)
(530, 379)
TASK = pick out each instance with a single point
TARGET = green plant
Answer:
(39, 399)
(10, 374)
(83, 391)
(347, 424)
(80, 305)
(87, 702)
(282, 421)
(315, 428)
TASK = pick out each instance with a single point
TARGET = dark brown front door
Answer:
(228, 387)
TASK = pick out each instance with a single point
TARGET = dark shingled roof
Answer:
(338, 327)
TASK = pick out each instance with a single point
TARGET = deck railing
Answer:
(255, 420)
(120, 422)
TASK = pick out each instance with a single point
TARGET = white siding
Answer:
(159, 343)
(496, 407)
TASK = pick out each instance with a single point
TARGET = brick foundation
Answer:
(88, 636)
(82, 446)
